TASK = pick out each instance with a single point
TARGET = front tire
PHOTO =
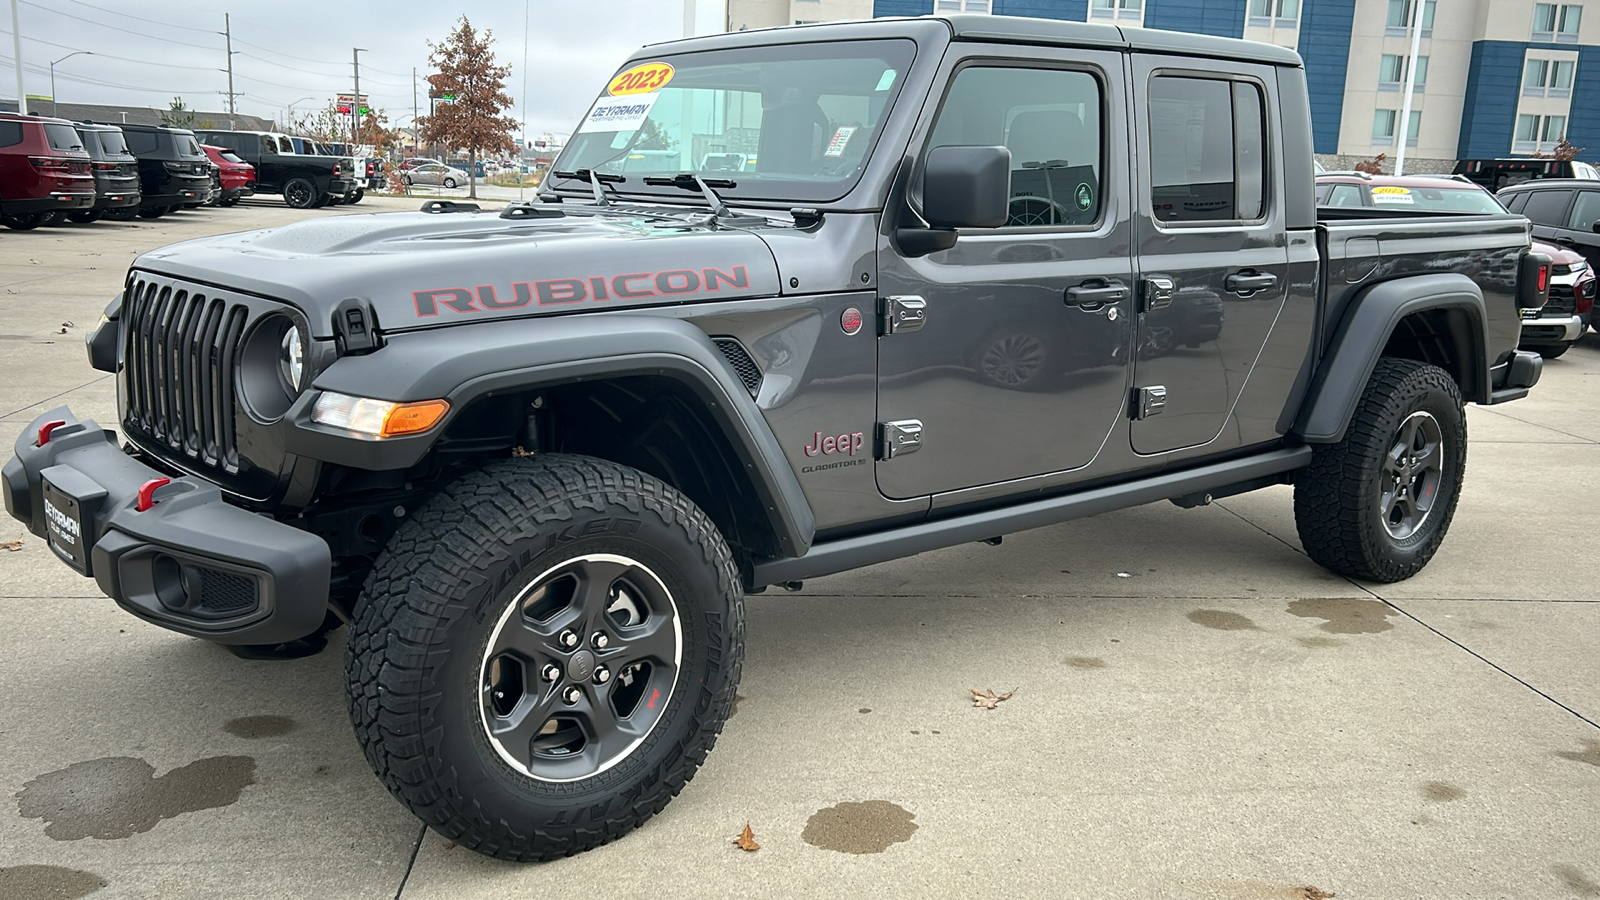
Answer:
(544, 655)
(449, 182)
(1377, 504)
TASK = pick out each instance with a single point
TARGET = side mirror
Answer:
(967, 187)
(1596, 227)
(962, 187)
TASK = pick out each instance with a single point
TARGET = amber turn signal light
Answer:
(413, 418)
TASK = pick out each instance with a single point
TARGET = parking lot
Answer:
(1199, 711)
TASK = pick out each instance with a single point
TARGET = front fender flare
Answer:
(1364, 332)
(466, 362)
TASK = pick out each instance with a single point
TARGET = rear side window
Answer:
(62, 137)
(1345, 195)
(1515, 201)
(1050, 121)
(141, 141)
(187, 145)
(1548, 207)
(10, 133)
(1585, 212)
(1207, 149)
(230, 156)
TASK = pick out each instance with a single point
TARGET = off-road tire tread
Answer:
(415, 589)
(1331, 496)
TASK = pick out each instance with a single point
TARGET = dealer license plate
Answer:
(64, 523)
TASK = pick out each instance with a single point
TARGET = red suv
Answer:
(43, 170)
(238, 177)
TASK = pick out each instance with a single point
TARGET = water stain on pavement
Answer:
(1576, 882)
(1085, 662)
(1590, 753)
(256, 727)
(1441, 792)
(119, 796)
(1320, 643)
(868, 827)
(1222, 620)
(1346, 615)
(47, 883)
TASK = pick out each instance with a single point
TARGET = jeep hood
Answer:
(427, 269)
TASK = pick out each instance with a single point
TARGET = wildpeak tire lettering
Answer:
(678, 284)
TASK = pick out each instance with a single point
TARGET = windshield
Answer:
(778, 123)
(62, 137)
(1461, 200)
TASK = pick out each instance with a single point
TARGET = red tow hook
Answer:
(46, 428)
(147, 492)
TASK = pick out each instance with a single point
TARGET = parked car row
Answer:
(1565, 213)
(82, 171)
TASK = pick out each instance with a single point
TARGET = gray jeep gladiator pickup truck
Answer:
(968, 276)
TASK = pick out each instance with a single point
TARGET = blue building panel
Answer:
(881, 8)
(1071, 10)
(1223, 18)
(1494, 84)
(1325, 46)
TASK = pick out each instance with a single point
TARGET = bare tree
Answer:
(472, 117)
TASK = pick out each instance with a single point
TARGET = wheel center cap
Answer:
(580, 666)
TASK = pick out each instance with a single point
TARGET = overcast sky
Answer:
(286, 51)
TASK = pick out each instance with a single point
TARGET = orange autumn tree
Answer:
(473, 118)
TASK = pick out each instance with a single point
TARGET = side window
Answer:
(1514, 202)
(10, 134)
(1345, 195)
(1586, 212)
(141, 141)
(1050, 121)
(1548, 207)
(1207, 149)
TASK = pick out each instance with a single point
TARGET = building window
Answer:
(1275, 13)
(1399, 22)
(1538, 134)
(1392, 72)
(960, 6)
(1129, 11)
(1556, 23)
(1384, 125)
(1548, 78)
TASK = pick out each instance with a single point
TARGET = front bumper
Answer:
(189, 562)
(1553, 330)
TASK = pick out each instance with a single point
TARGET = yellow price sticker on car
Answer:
(641, 80)
(1390, 190)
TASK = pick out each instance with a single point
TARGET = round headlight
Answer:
(291, 359)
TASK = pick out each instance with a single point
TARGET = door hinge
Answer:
(1158, 292)
(899, 438)
(898, 315)
(1149, 401)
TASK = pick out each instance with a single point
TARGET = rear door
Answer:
(1547, 210)
(1020, 364)
(1213, 249)
(1579, 231)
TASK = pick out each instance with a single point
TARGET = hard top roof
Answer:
(1549, 184)
(998, 29)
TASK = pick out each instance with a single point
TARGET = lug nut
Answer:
(602, 675)
(550, 672)
(599, 640)
(571, 695)
(568, 639)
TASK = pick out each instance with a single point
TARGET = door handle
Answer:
(1091, 295)
(1248, 282)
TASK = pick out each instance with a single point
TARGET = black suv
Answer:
(173, 170)
(116, 174)
(1563, 211)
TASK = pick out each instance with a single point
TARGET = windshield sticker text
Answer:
(640, 79)
(674, 284)
(619, 113)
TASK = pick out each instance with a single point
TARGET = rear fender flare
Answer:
(1359, 341)
(466, 362)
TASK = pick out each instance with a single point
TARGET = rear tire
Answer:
(85, 216)
(24, 221)
(521, 583)
(1377, 504)
(123, 213)
(1552, 351)
(300, 193)
(352, 199)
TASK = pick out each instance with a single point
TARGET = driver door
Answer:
(1021, 364)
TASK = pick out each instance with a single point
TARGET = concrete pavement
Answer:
(1200, 712)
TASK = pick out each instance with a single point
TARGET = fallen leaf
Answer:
(747, 840)
(989, 699)
(1311, 893)
(12, 546)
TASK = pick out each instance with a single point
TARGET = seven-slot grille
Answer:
(179, 353)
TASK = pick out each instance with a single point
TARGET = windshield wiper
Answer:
(689, 181)
(596, 180)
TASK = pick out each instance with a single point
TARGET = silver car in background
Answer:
(436, 173)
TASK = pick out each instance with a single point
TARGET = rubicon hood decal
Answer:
(425, 270)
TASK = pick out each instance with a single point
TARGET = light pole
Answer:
(55, 104)
(355, 108)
